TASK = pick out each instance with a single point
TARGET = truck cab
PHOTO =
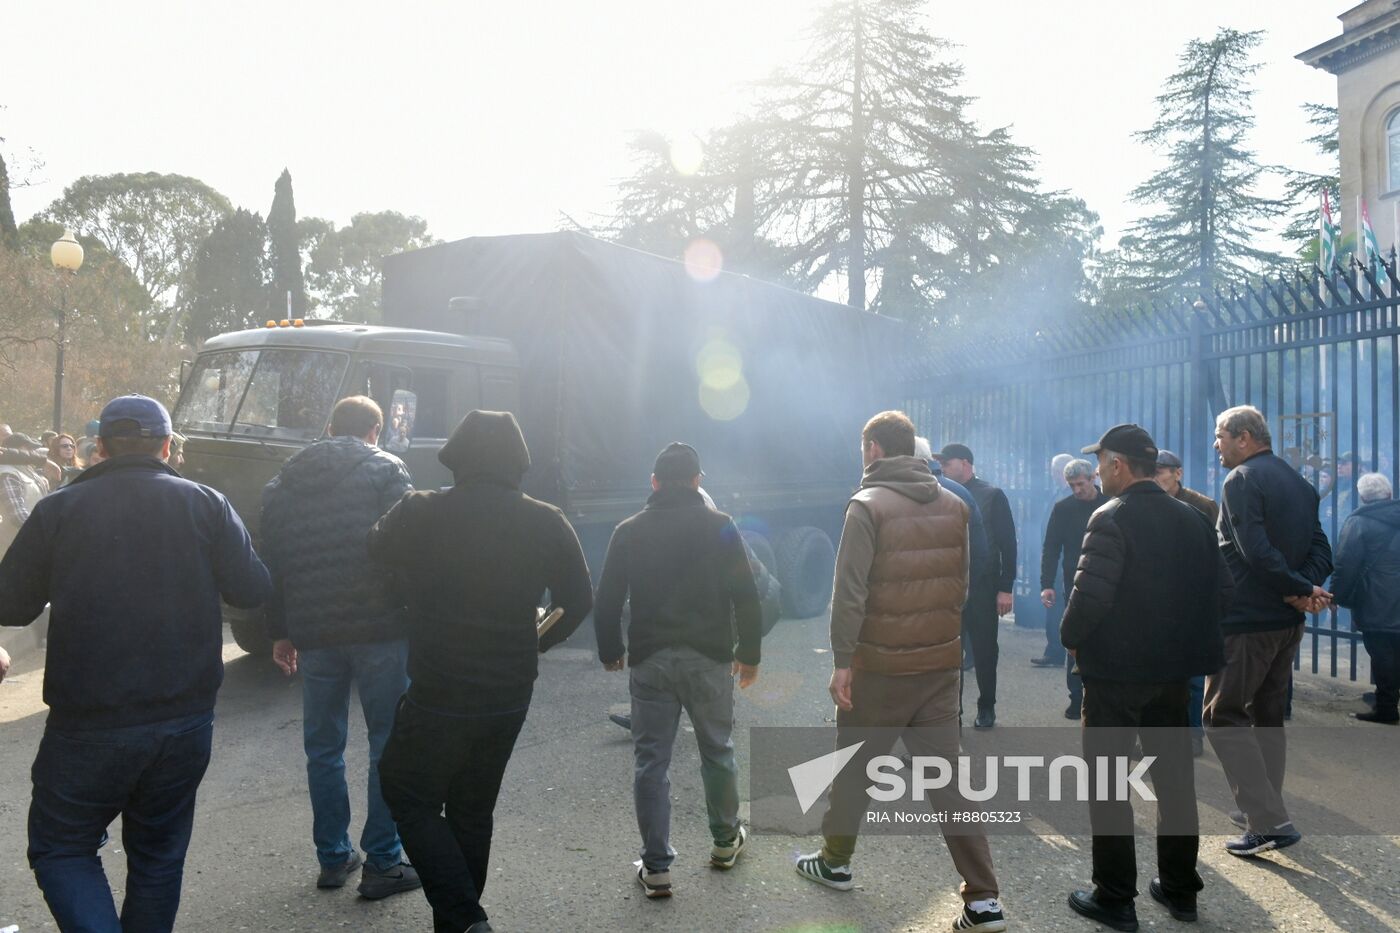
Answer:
(254, 398)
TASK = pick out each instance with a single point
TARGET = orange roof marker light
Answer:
(271, 323)
(284, 323)
(299, 322)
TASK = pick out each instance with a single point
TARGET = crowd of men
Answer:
(1175, 617)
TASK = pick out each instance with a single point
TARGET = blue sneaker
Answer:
(1252, 844)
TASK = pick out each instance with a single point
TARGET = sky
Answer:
(493, 118)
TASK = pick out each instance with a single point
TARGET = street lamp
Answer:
(67, 256)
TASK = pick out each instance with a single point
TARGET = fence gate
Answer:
(1317, 353)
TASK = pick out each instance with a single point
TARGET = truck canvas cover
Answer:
(623, 352)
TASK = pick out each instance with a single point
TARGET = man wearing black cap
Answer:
(133, 560)
(684, 567)
(475, 561)
(1143, 618)
(1168, 476)
(988, 601)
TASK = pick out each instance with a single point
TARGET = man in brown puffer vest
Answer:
(896, 618)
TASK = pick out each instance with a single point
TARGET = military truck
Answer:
(605, 354)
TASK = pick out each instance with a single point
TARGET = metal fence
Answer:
(1317, 353)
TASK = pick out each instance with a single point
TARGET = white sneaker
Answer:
(655, 883)
(724, 856)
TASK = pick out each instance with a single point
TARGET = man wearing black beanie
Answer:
(474, 562)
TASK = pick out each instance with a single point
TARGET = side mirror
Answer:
(185, 371)
(398, 429)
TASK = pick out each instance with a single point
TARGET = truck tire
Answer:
(250, 634)
(806, 561)
(761, 549)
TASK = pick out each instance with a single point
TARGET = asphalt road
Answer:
(565, 836)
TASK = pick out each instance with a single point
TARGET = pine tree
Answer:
(1208, 212)
(285, 253)
(884, 176)
(1303, 189)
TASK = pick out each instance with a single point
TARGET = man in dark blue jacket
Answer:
(1279, 557)
(132, 560)
(334, 617)
(1367, 580)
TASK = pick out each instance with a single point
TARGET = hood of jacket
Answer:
(908, 476)
(1387, 512)
(320, 467)
(487, 446)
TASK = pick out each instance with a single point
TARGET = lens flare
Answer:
(720, 364)
(687, 153)
(703, 260)
(727, 403)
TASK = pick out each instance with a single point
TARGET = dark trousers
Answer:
(1053, 649)
(1114, 715)
(1384, 649)
(83, 780)
(440, 776)
(979, 625)
(1074, 684)
(1243, 717)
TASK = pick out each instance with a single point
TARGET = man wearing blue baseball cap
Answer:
(133, 560)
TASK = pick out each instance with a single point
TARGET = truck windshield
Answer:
(268, 393)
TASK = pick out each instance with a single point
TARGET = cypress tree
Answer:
(284, 251)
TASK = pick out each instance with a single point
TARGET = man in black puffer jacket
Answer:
(334, 617)
(1142, 619)
(476, 560)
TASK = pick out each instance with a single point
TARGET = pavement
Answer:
(565, 838)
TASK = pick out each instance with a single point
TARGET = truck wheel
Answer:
(806, 561)
(761, 549)
(250, 634)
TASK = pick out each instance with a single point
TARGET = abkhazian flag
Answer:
(1328, 234)
(1370, 244)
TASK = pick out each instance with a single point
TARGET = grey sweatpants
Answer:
(665, 683)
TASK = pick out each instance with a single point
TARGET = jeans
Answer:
(84, 779)
(441, 777)
(668, 681)
(979, 618)
(379, 673)
(1114, 713)
(1054, 650)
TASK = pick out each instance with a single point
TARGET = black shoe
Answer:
(378, 883)
(985, 719)
(623, 721)
(1181, 908)
(336, 875)
(1072, 711)
(1047, 662)
(1252, 844)
(1389, 719)
(1115, 916)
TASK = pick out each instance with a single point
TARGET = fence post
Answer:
(1200, 425)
